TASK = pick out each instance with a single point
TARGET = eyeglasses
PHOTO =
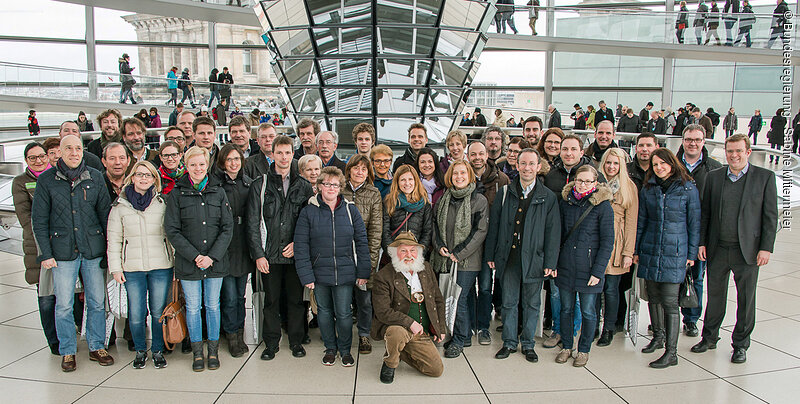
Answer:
(176, 138)
(168, 156)
(232, 159)
(696, 141)
(382, 162)
(143, 175)
(555, 142)
(330, 185)
(42, 157)
(585, 182)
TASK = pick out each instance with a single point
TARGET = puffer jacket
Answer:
(22, 189)
(136, 240)
(199, 223)
(469, 251)
(237, 191)
(668, 231)
(624, 232)
(558, 176)
(420, 224)
(409, 157)
(279, 214)
(330, 246)
(70, 218)
(588, 249)
(543, 231)
(368, 200)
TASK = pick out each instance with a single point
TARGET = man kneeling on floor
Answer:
(408, 310)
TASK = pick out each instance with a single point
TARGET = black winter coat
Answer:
(657, 126)
(542, 230)
(199, 223)
(668, 231)
(330, 247)
(600, 115)
(636, 173)
(280, 214)
(588, 249)
(701, 171)
(237, 191)
(555, 120)
(777, 126)
(558, 176)
(409, 157)
(420, 224)
(70, 218)
(628, 124)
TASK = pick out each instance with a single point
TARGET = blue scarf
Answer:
(403, 204)
(138, 201)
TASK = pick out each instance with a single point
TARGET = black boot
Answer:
(198, 362)
(670, 357)
(186, 345)
(233, 345)
(213, 355)
(657, 321)
(240, 341)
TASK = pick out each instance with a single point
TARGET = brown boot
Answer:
(240, 341)
(68, 363)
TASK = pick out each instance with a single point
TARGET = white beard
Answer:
(402, 267)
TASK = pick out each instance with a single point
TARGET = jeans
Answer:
(587, 309)
(698, 32)
(508, 18)
(483, 311)
(746, 35)
(187, 93)
(213, 94)
(232, 302)
(363, 311)
(125, 92)
(147, 287)
(698, 272)
(65, 275)
(729, 32)
(202, 293)
(611, 296)
(337, 334)
(462, 329)
(514, 291)
(774, 35)
(679, 34)
(555, 308)
(173, 96)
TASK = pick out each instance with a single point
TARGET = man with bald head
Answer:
(69, 216)
(70, 128)
(603, 140)
(185, 120)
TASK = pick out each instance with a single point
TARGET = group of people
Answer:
(707, 21)
(508, 218)
(219, 86)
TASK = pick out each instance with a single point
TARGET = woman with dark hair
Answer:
(667, 237)
(360, 190)
(199, 224)
(406, 208)
(171, 168)
(777, 126)
(508, 163)
(84, 125)
(461, 223)
(430, 173)
(587, 240)
(144, 117)
(237, 186)
(550, 145)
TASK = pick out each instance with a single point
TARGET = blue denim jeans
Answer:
(530, 293)
(611, 296)
(364, 310)
(483, 312)
(337, 333)
(65, 275)
(211, 100)
(693, 314)
(147, 288)
(232, 301)
(587, 309)
(202, 293)
(555, 308)
(462, 330)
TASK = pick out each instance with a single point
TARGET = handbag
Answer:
(173, 319)
(451, 291)
(687, 297)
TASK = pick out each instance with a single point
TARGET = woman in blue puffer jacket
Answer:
(331, 254)
(667, 236)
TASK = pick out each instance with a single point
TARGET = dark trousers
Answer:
(282, 280)
(462, 330)
(693, 314)
(611, 301)
(587, 309)
(729, 32)
(665, 294)
(233, 290)
(725, 261)
(480, 309)
(515, 292)
(753, 134)
(795, 139)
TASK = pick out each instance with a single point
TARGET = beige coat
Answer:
(136, 240)
(624, 234)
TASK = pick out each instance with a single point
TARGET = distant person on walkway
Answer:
(69, 216)
(533, 15)
(656, 125)
(779, 19)
(746, 22)
(755, 125)
(700, 21)
(173, 116)
(682, 22)
(730, 123)
(172, 86)
(126, 79)
(408, 309)
(33, 123)
(555, 117)
(185, 84)
(499, 118)
(225, 79)
(775, 136)
(713, 23)
(730, 17)
(738, 228)
(630, 123)
(84, 125)
(603, 114)
(478, 118)
(213, 86)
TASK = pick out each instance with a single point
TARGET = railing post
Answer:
(91, 58)
(549, 55)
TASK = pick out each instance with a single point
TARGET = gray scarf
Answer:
(463, 224)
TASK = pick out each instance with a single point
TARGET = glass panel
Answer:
(407, 41)
(36, 18)
(703, 78)
(348, 100)
(332, 41)
(512, 69)
(403, 71)
(293, 42)
(759, 78)
(465, 14)
(450, 73)
(298, 72)
(353, 72)
(456, 43)
(288, 13)
(427, 11)
(358, 11)
(400, 100)
(306, 100)
(394, 11)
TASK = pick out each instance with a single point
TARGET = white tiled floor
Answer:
(615, 374)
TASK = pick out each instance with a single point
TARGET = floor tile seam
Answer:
(748, 392)
(705, 379)
(550, 391)
(288, 394)
(252, 353)
(46, 381)
(23, 357)
(112, 387)
(605, 384)
(103, 381)
(478, 379)
(779, 291)
(763, 372)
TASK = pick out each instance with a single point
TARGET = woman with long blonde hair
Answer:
(625, 204)
(406, 208)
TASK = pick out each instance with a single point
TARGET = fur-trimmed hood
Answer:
(602, 193)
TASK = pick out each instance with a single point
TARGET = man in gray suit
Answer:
(737, 234)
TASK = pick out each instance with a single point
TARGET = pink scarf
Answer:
(36, 173)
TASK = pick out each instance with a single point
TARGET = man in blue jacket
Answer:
(69, 215)
(522, 246)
